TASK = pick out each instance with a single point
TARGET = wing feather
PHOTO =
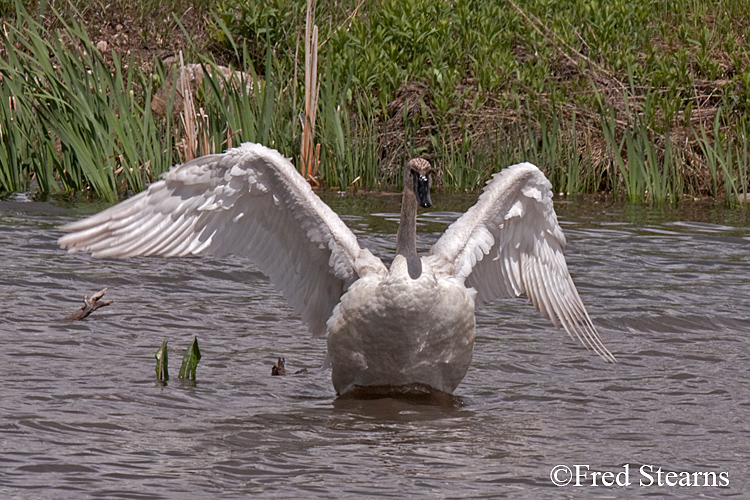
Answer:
(249, 201)
(510, 243)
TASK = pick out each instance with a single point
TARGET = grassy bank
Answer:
(646, 99)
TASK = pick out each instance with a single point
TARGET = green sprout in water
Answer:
(190, 360)
(162, 371)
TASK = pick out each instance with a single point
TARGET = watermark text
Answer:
(645, 475)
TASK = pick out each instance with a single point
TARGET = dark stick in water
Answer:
(90, 305)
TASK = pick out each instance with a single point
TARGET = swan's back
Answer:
(398, 331)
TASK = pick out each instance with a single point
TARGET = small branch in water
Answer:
(90, 305)
(278, 368)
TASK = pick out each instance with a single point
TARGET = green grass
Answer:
(643, 99)
(75, 123)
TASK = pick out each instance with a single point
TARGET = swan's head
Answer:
(417, 178)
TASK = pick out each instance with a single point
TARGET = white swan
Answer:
(412, 324)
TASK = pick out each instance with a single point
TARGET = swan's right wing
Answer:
(249, 201)
(510, 243)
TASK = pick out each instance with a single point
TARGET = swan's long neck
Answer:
(416, 193)
(406, 238)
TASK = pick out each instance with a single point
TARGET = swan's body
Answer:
(410, 324)
(390, 329)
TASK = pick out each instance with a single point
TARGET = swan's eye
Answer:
(419, 177)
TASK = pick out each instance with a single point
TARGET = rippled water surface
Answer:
(81, 415)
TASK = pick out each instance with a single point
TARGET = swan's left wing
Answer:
(510, 243)
(249, 201)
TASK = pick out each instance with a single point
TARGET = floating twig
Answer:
(90, 305)
(278, 368)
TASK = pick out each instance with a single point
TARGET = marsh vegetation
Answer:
(644, 100)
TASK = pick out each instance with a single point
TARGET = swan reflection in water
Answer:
(412, 325)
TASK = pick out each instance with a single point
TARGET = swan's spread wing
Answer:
(510, 243)
(249, 201)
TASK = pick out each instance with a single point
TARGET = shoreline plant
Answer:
(645, 100)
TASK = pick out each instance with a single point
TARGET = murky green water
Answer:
(82, 417)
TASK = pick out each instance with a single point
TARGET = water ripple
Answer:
(81, 415)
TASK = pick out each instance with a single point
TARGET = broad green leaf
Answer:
(162, 372)
(190, 360)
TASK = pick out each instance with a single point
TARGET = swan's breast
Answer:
(395, 330)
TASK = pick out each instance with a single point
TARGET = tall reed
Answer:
(74, 123)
